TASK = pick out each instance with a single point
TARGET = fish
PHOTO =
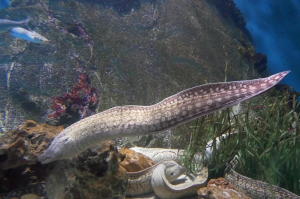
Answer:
(132, 120)
(6, 25)
(28, 35)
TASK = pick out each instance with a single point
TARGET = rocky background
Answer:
(133, 52)
(102, 54)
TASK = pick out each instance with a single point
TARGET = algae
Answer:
(268, 143)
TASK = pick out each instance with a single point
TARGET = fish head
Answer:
(58, 149)
(173, 170)
(40, 39)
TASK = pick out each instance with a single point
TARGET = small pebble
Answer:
(30, 196)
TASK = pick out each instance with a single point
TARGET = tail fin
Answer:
(25, 23)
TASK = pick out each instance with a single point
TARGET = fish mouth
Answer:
(43, 159)
(46, 157)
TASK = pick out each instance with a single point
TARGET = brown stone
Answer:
(22, 146)
(33, 127)
(19, 150)
(30, 196)
(93, 173)
(220, 189)
(133, 161)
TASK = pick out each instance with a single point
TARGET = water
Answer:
(274, 28)
(78, 58)
(4, 4)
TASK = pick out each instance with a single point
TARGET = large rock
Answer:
(94, 173)
(133, 161)
(21, 146)
(135, 52)
(220, 189)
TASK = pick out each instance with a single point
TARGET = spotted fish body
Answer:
(139, 183)
(164, 189)
(254, 188)
(160, 154)
(175, 110)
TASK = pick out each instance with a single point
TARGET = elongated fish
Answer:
(6, 25)
(28, 35)
(175, 110)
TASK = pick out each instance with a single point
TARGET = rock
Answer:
(94, 173)
(22, 146)
(133, 161)
(135, 52)
(30, 196)
(19, 149)
(32, 190)
(220, 189)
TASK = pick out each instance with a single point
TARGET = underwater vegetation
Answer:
(80, 102)
(229, 9)
(259, 60)
(247, 50)
(272, 148)
(268, 142)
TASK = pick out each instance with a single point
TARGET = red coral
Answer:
(81, 99)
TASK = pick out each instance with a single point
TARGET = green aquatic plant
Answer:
(207, 130)
(271, 150)
(267, 144)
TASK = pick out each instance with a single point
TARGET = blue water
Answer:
(275, 27)
(4, 4)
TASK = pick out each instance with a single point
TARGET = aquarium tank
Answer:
(115, 99)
